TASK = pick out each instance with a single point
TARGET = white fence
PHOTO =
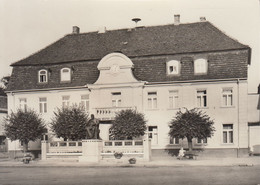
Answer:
(65, 147)
(68, 149)
(123, 146)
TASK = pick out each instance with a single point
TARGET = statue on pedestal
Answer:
(92, 128)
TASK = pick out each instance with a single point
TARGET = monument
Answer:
(92, 128)
(92, 145)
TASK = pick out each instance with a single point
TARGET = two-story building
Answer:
(155, 70)
(3, 114)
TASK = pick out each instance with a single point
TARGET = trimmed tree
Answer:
(70, 123)
(191, 124)
(3, 84)
(5, 81)
(128, 124)
(24, 126)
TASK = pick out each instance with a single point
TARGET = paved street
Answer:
(130, 175)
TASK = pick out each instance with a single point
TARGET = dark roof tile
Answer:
(155, 40)
(149, 48)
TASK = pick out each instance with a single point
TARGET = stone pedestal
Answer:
(44, 150)
(91, 150)
(147, 149)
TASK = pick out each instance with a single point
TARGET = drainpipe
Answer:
(142, 104)
(13, 98)
(238, 108)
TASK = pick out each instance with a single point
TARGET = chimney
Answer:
(177, 19)
(102, 29)
(75, 30)
(203, 19)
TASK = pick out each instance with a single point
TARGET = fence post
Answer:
(44, 150)
(147, 149)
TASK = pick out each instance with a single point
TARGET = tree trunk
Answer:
(190, 143)
(25, 146)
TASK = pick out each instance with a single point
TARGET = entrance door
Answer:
(153, 134)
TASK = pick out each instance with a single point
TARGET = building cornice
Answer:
(197, 81)
(48, 89)
(116, 85)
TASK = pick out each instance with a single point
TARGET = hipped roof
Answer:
(136, 42)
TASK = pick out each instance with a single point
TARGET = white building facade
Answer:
(3, 114)
(155, 70)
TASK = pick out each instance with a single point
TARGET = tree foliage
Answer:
(70, 123)
(24, 126)
(5, 80)
(191, 124)
(128, 124)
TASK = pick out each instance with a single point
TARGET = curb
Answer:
(113, 165)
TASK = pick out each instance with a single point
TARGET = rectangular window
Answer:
(65, 74)
(42, 75)
(85, 102)
(202, 141)
(42, 105)
(116, 99)
(152, 100)
(227, 97)
(23, 104)
(200, 66)
(173, 99)
(202, 98)
(227, 133)
(65, 101)
(173, 67)
(153, 134)
(174, 141)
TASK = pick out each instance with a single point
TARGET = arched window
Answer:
(200, 66)
(65, 74)
(173, 67)
(43, 76)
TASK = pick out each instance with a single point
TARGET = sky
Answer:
(28, 26)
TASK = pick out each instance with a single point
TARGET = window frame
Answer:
(65, 102)
(202, 141)
(62, 75)
(174, 141)
(199, 68)
(225, 103)
(43, 105)
(116, 99)
(203, 102)
(229, 133)
(173, 99)
(84, 102)
(23, 104)
(154, 100)
(153, 134)
(41, 80)
(173, 63)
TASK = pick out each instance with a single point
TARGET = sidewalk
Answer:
(247, 161)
